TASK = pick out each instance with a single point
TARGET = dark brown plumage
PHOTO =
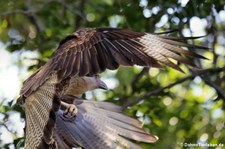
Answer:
(88, 52)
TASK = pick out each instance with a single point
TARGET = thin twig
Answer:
(4, 125)
(79, 18)
(218, 89)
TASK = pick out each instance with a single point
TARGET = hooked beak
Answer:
(101, 84)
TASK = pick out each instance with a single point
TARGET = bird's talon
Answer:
(72, 109)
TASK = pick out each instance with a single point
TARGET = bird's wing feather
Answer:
(91, 51)
(40, 117)
(99, 125)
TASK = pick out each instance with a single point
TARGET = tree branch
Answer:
(218, 89)
(135, 100)
(138, 77)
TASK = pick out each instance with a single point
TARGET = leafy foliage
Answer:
(189, 111)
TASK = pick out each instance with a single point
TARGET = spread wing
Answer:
(40, 109)
(99, 125)
(90, 51)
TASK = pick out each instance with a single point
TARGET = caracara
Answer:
(57, 117)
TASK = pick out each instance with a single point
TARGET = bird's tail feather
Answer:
(100, 125)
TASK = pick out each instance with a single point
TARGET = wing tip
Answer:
(151, 138)
(154, 138)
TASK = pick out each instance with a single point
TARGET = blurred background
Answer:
(179, 108)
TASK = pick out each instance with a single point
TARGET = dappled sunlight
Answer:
(167, 101)
(153, 72)
(177, 107)
(9, 86)
(173, 121)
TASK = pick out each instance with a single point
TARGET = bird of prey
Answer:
(56, 115)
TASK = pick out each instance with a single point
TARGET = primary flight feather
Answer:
(53, 91)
